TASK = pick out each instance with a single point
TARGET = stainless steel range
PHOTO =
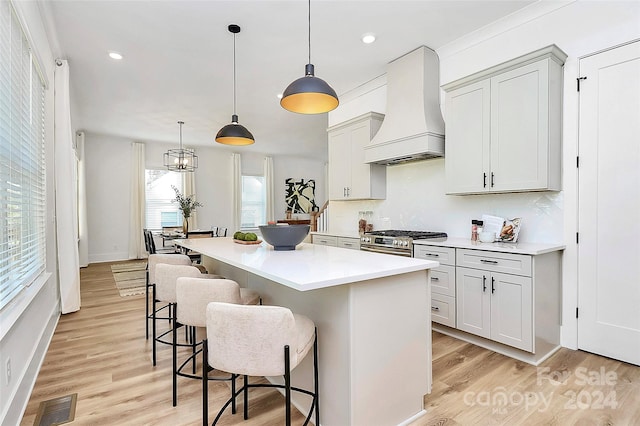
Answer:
(395, 242)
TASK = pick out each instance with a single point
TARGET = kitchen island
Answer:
(371, 311)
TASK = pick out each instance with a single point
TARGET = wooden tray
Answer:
(247, 242)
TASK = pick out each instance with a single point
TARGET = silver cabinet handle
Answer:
(493, 262)
(435, 308)
(432, 254)
(435, 279)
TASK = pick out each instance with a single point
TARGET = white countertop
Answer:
(309, 266)
(517, 248)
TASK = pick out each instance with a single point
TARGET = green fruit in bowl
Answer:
(239, 236)
(250, 236)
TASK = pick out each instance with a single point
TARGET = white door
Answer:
(609, 204)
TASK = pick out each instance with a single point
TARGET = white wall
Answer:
(28, 322)
(416, 197)
(108, 181)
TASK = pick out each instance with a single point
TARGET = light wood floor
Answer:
(100, 352)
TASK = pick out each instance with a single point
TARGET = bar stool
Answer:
(152, 261)
(192, 297)
(165, 291)
(259, 341)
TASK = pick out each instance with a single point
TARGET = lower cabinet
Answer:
(496, 306)
(349, 242)
(443, 282)
(335, 241)
(507, 302)
(325, 240)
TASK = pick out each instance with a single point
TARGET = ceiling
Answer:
(178, 61)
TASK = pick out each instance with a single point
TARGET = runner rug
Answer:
(130, 277)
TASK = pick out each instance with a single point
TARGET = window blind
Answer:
(22, 162)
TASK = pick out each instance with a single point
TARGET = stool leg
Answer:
(146, 299)
(315, 376)
(205, 383)
(153, 325)
(233, 393)
(174, 338)
(287, 386)
(245, 395)
(193, 349)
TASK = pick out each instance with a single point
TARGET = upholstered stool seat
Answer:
(259, 341)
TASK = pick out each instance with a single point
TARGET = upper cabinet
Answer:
(503, 127)
(350, 178)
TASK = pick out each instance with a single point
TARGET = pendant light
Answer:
(309, 94)
(234, 133)
(181, 160)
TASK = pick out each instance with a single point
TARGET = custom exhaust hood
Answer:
(413, 128)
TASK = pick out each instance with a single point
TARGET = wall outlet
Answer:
(8, 372)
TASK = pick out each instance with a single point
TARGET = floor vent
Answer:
(56, 411)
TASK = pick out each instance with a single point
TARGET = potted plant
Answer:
(188, 205)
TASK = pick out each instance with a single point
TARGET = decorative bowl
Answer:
(284, 237)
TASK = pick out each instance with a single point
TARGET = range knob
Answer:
(405, 243)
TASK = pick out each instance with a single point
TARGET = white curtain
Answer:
(236, 166)
(137, 249)
(268, 181)
(189, 188)
(66, 192)
(83, 238)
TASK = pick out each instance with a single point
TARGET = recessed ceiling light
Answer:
(279, 95)
(368, 38)
(115, 55)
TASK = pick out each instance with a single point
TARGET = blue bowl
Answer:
(284, 237)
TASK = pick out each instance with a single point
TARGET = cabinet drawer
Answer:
(350, 243)
(325, 240)
(517, 264)
(444, 255)
(443, 310)
(443, 280)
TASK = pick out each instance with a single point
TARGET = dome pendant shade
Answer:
(234, 134)
(309, 95)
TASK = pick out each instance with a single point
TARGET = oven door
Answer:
(386, 250)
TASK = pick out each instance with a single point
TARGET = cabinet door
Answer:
(520, 128)
(468, 137)
(473, 301)
(511, 318)
(339, 163)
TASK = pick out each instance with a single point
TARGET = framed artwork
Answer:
(300, 195)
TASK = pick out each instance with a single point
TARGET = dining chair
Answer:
(197, 257)
(258, 341)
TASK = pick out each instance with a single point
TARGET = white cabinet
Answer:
(349, 242)
(336, 241)
(350, 178)
(324, 240)
(504, 127)
(443, 282)
(493, 304)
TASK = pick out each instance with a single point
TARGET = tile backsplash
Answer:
(416, 201)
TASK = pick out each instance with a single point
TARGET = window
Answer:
(253, 202)
(160, 211)
(22, 167)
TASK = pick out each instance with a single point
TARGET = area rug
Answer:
(130, 277)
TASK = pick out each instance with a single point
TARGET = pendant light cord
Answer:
(309, 20)
(180, 123)
(234, 74)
